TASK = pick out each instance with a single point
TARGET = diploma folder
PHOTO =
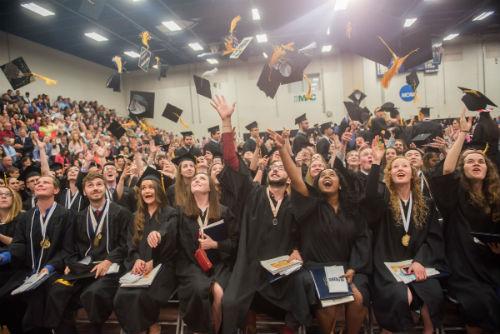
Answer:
(31, 283)
(324, 295)
(130, 280)
(398, 270)
(486, 238)
(218, 232)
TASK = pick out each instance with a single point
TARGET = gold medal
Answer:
(405, 240)
(97, 240)
(45, 243)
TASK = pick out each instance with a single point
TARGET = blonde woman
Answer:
(468, 195)
(405, 226)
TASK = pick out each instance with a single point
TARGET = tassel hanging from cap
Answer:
(308, 94)
(397, 62)
(485, 151)
(118, 62)
(234, 24)
(279, 52)
(145, 38)
(48, 81)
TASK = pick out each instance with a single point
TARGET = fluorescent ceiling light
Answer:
(326, 48)
(95, 36)
(261, 38)
(37, 9)
(482, 16)
(409, 22)
(265, 55)
(341, 5)
(196, 46)
(212, 61)
(132, 54)
(171, 25)
(450, 37)
(255, 14)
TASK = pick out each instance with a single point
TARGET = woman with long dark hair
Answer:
(468, 195)
(332, 232)
(138, 309)
(405, 226)
(205, 228)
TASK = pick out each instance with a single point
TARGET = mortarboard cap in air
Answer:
(116, 129)
(475, 100)
(202, 86)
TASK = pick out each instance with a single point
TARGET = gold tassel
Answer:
(234, 23)
(145, 38)
(308, 94)
(48, 81)
(397, 62)
(64, 282)
(485, 151)
(183, 123)
(118, 62)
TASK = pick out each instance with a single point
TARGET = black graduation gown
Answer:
(79, 203)
(10, 316)
(94, 295)
(475, 270)
(486, 131)
(390, 298)
(213, 147)
(299, 142)
(323, 147)
(183, 150)
(329, 238)
(194, 284)
(29, 203)
(58, 228)
(434, 128)
(139, 308)
(259, 240)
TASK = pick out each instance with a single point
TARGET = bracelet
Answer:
(463, 131)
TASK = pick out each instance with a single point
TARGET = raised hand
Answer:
(279, 141)
(378, 150)
(465, 123)
(220, 105)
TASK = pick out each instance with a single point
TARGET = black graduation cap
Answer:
(116, 129)
(172, 113)
(202, 86)
(412, 80)
(379, 127)
(150, 174)
(214, 129)
(56, 166)
(114, 82)
(357, 96)
(388, 107)
(17, 73)
(422, 139)
(325, 126)
(475, 100)
(301, 118)
(426, 111)
(251, 126)
(394, 113)
(356, 113)
(184, 157)
(29, 172)
(269, 81)
(187, 134)
(292, 67)
(476, 145)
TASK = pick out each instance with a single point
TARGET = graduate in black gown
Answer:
(405, 226)
(99, 239)
(10, 208)
(469, 200)
(137, 309)
(332, 232)
(70, 197)
(178, 192)
(40, 245)
(416, 160)
(205, 226)
(267, 230)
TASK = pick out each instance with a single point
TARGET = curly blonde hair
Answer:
(489, 197)
(419, 209)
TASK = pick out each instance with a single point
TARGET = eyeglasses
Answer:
(6, 194)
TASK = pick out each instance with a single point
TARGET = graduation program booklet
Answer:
(31, 283)
(398, 270)
(281, 265)
(325, 296)
(130, 280)
(335, 279)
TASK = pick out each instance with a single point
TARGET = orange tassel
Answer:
(118, 62)
(397, 62)
(234, 23)
(48, 81)
(145, 38)
(308, 94)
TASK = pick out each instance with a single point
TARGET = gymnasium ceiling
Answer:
(207, 22)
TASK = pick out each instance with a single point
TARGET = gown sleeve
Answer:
(230, 245)
(445, 189)
(361, 253)
(374, 202)
(303, 206)
(18, 245)
(119, 253)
